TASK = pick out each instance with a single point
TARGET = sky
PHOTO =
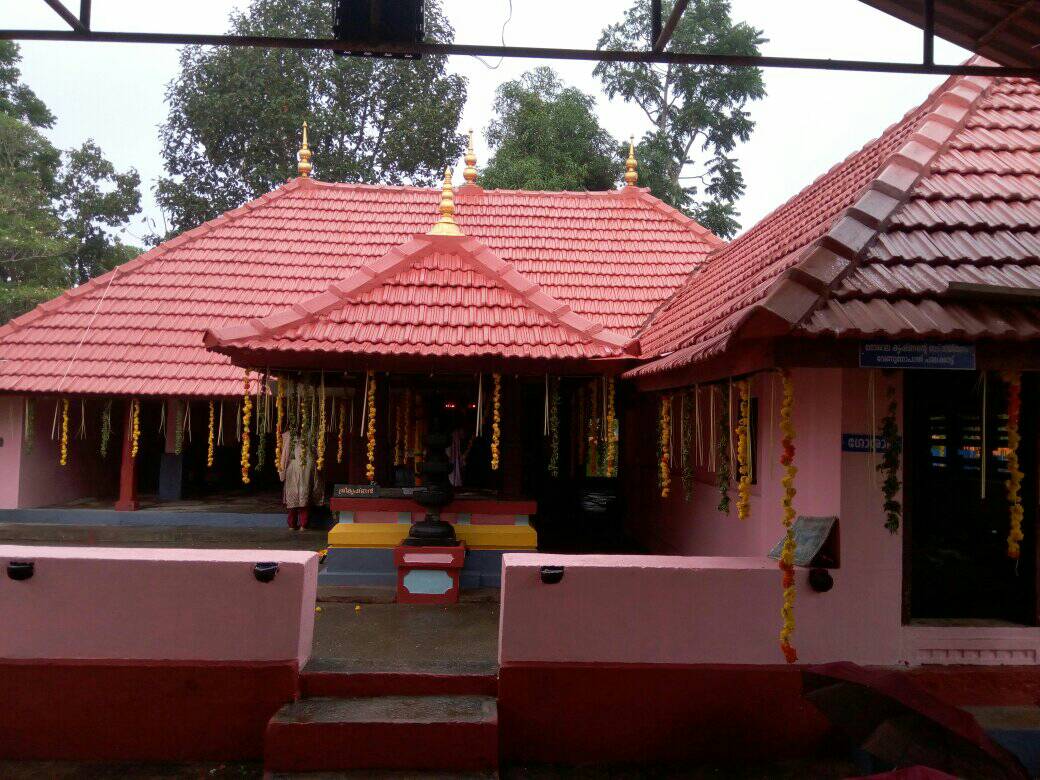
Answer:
(810, 120)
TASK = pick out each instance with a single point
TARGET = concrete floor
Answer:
(406, 637)
(193, 536)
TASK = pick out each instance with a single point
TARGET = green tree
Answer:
(545, 136)
(694, 109)
(92, 199)
(235, 114)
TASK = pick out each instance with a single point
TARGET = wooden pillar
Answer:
(127, 501)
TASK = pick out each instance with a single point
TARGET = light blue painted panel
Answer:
(433, 582)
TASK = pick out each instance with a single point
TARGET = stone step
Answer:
(321, 734)
(337, 677)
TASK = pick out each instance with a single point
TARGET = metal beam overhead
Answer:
(455, 49)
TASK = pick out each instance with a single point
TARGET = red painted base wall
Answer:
(623, 713)
(139, 711)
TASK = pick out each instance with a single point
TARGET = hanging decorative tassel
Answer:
(29, 426)
(209, 434)
(106, 427)
(370, 388)
(220, 425)
(744, 451)
(64, 431)
(1014, 480)
(178, 427)
(247, 409)
(82, 434)
(788, 516)
(496, 421)
(479, 430)
(135, 427)
(187, 420)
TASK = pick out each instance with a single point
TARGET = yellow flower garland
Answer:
(64, 431)
(320, 461)
(1014, 480)
(135, 427)
(611, 434)
(664, 441)
(339, 431)
(279, 409)
(209, 445)
(744, 452)
(370, 466)
(496, 422)
(247, 410)
(788, 550)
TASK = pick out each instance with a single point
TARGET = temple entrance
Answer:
(957, 517)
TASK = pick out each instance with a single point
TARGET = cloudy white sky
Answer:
(114, 93)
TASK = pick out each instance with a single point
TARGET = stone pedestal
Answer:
(428, 575)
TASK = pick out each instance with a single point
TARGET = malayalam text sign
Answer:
(917, 354)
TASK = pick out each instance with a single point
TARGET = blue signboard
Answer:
(863, 442)
(917, 354)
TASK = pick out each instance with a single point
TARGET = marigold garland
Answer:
(106, 427)
(610, 469)
(64, 431)
(135, 427)
(279, 412)
(320, 460)
(210, 433)
(178, 433)
(554, 427)
(339, 431)
(1014, 480)
(744, 452)
(247, 411)
(496, 422)
(723, 472)
(370, 466)
(664, 478)
(790, 545)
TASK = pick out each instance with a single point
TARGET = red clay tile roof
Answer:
(446, 296)
(890, 243)
(613, 257)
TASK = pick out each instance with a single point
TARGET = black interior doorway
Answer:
(957, 507)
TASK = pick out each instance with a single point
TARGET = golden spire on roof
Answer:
(631, 177)
(469, 173)
(445, 226)
(303, 156)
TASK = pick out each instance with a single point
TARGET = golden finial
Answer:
(631, 177)
(304, 156)
(469, 173)
(445, 226)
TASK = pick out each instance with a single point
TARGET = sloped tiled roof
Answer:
(612, 257)
(893, 242)
(445, 296)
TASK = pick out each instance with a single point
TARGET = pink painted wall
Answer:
(37, 478)
(157, 604)
(726, 608)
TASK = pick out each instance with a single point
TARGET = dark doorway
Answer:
(957, 507)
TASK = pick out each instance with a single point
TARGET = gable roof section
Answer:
(433, 296)
(770, 279)
(613, 257)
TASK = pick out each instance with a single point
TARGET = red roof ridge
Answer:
(375, 272)
(827, 260)
(155, 253)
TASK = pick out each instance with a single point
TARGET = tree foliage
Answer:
(545, 136)
(697, 112)
(235, 114)
(57, 212)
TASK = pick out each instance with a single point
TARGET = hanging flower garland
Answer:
(320, 461)
(106, 427)
(723, 473)
(279, 419)
(210, 433)
(247, 410)
(260, 421)
(178, 433)
(135, 427)
(370, 466)
(554, 427)
(788, 550)
(1014, 480)
(611, 433)
(889, 465)
(64, 431)
(29, 429)
(496, 422)
(685, 444)
(744, 452)
(664, 433)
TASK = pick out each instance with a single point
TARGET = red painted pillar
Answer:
(128, 468)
